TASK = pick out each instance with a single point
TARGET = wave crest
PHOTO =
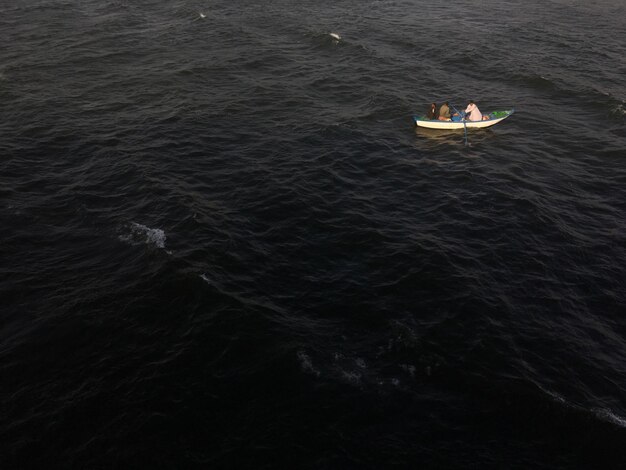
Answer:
(139, 233)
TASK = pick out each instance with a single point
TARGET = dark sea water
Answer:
(223, 243)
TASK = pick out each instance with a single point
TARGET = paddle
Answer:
(464, 123)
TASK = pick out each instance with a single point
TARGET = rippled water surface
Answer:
(224, 244)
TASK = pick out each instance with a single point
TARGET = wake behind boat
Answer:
(494, 118)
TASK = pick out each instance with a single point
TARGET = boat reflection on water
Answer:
(453, 137)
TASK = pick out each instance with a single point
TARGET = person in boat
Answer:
(472, 113)
(444, 112)
(432, 112)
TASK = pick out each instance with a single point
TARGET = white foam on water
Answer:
(619, 110)
(306, 364)
(351, 377)
(608, 415)
(600, 413)
(205, 278)
(555, 396)
(141, 234)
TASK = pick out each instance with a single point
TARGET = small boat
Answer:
(494, 118)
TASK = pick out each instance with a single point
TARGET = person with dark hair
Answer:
(432, 111)
(444, 112)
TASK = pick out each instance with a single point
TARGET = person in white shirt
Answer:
(472, 113)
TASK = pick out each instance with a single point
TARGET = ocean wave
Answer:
(618, 110)
(331, 248)
(306, 364)
(138, 234)
(603, 414)
(608, 415)
(536, 81)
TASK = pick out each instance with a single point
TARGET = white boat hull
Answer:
(435, 124)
